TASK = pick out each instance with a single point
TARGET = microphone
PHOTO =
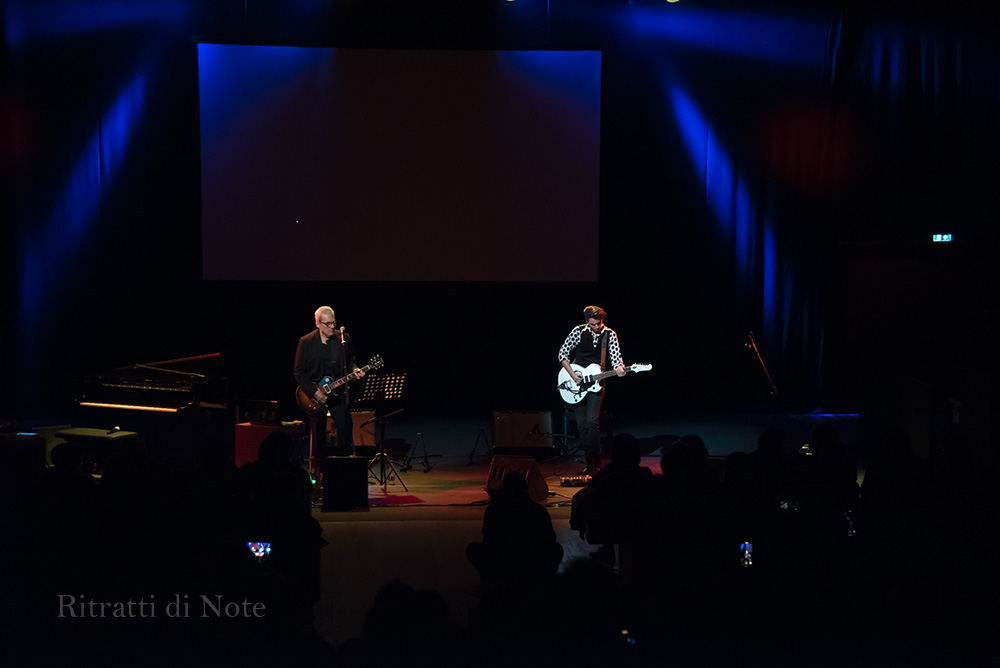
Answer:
(342, 335)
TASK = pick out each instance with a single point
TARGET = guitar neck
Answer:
(607, 374)
(340, 381)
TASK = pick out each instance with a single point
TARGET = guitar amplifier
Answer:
(527, 433)
(538, 489)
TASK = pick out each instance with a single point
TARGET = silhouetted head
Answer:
(514, 484)
(276, 448)
(771, 443)
(625, 450)
(822, 436)
(696, 444)
(684, 454)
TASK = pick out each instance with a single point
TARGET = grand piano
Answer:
(159, 386)
(179, 407)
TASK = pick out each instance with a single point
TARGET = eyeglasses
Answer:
(332, 323)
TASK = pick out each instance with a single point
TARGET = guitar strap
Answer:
(604, 347)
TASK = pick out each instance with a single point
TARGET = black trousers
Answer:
(343, 444)
(588, 424)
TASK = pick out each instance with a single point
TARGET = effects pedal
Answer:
(575, 480)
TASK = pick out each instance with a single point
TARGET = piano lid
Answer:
(159, 366)
(154, 386)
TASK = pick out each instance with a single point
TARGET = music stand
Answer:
(379, 389)
(408, 460)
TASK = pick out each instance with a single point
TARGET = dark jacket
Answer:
(315, 360)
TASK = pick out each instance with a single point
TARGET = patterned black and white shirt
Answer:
(573, 340)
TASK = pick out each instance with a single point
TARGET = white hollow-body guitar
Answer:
(590, 380)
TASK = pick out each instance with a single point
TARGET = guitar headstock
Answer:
(640, 367)
(376, 363)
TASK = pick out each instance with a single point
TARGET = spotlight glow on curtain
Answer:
(33, 20)
(797, 42)
(49, 252)
(761, 270)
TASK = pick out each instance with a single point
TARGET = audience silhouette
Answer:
(404, 627)
(144, 534)
(518, 538)
(604, 510)
(898, 569)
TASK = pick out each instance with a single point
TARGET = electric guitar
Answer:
(590, 378)
(310, 405)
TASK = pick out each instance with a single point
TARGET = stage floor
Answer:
(419, 533)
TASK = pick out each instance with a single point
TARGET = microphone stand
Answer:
(753, 346)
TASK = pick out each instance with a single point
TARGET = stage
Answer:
(419, 534)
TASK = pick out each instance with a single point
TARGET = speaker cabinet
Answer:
(501, 465)
(525, 433)
(345, 483)
(363, 429)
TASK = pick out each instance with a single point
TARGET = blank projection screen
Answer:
(390, 165)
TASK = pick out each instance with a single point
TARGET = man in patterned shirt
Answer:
(591, 343)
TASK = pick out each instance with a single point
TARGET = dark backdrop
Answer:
(774, 168)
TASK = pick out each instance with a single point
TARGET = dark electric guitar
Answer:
(310, 405)
(590, 378)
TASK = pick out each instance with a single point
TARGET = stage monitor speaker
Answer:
(527, 433)
(345, 483)
(501, 465)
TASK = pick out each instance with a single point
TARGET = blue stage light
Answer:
(48, 254)
(750, 234)
(32, 20)
(800, 42)
(727, 193)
